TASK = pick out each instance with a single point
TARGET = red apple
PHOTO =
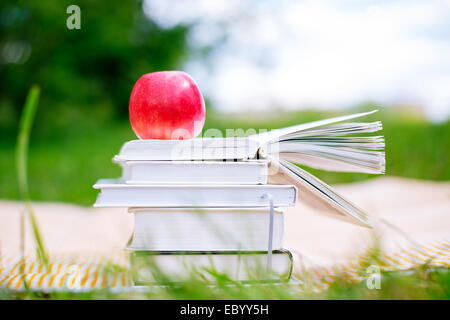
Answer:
(166, 105)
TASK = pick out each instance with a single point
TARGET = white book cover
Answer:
(205, 229)
(115, 193)
(192, 149)
(194, 172)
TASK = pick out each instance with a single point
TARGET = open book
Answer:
(331, 144)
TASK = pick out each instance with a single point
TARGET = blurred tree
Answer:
(87, 74)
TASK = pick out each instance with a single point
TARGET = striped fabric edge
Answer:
(435, 254)
(95, 271)
(65, 272)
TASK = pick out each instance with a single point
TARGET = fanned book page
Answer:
(323, 145)
(326, 145)
(333, 144)
(317, 194)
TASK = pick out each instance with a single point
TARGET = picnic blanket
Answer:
(411, 228)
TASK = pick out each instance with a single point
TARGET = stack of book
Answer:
(205, 206)
(196, 215)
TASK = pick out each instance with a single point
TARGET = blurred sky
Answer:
(322, 53)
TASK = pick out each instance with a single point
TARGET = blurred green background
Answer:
(86, 77)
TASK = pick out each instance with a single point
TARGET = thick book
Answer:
(205, 229)
(151, 267)
(330, 144)
(194, 172)
(115, 193)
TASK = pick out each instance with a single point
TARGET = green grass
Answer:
(418, 284)
(23, 137)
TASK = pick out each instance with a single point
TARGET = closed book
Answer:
(194, 172)
(115, 193)
(150, 267)
(205, 229)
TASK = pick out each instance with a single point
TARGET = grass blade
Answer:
(23, 138)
